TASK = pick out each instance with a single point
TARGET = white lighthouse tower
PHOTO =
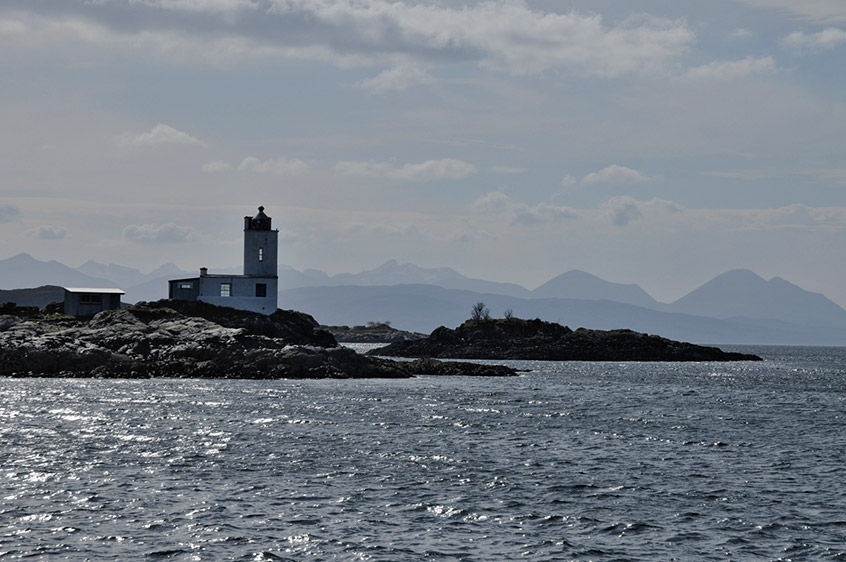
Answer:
(260, 246)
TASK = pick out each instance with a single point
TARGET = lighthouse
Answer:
(260, 246)
(256, 290)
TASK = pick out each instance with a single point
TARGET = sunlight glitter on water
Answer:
(569, 461)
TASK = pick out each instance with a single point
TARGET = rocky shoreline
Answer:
(517, 339)
(178, 339)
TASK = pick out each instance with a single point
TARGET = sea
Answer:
(567, 461)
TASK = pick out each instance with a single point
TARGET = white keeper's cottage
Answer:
(255, 290)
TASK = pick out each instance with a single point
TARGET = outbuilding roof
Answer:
(101, 290)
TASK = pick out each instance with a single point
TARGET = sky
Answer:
(658, 142)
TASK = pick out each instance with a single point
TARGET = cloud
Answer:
(813, 10)
(829, 175)
(9, 213)
(160, 134)
(508, 36)
(225, 7)
(510, 170)
(829, 218)
(619, 211)
(107, 30)
(542, 213)
(405, 37)
(825, 40)
(158, 233)
(615, 174)
(397, 79)
(568, 181)
(430, 170)
(741, 33)
(791, 217)
(280, 166)
(622, 210)
(724, 70)
(49, 233)
(520, 214)
(494, 202)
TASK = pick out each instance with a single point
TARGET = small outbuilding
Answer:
(84, 301)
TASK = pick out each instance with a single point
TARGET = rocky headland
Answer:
(514, 338)
(181, 339)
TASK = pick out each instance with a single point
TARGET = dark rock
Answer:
(429, 366)
(186, 340)
(371, 333)
(538, 340)
(55, 308)
(294, 327)
(12, 309)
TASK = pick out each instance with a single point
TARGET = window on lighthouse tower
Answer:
(261, 254)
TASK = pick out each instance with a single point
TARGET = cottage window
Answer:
(261, 289)
(226, 289)
(91, 299)
(261, 254)
(186, 285)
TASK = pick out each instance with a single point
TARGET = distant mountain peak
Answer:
(24, 271)
(168, 268)
(577, 284)
(22, 257)
(739, 274)
(741, 293)
(393, 266)
(393, 272)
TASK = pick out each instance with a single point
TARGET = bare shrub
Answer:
(480, 312)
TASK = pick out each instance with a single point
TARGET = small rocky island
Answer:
(372, 332)
(180, 339)
(514, 338)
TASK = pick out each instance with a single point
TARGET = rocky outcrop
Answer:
(22, 311)
(538, 340)
(371, 333)
(288, 325)
(188, 340)
(429, 366)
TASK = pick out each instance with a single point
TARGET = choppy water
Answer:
(571, 461)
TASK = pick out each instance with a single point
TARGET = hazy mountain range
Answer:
(735, 307)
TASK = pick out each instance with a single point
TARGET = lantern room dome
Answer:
(260, 222)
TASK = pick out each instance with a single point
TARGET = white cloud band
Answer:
(406, 37)
(158, 233)
(160, 134)
(615, 174)
(824, 40)
(430, 170)
(280, 166)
